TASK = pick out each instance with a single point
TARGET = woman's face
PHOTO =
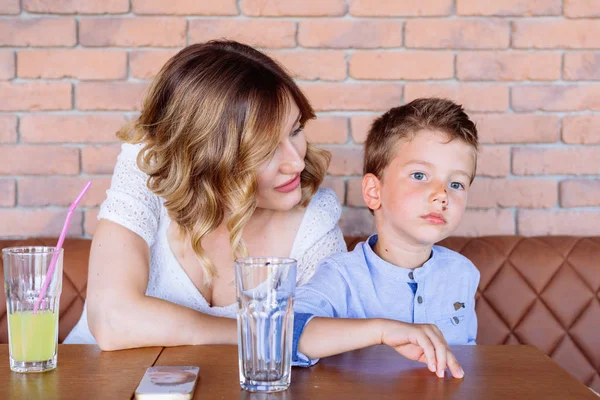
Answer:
(279, 179)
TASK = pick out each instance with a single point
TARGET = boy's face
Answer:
(422, 194)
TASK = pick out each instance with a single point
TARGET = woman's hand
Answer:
(424, 343)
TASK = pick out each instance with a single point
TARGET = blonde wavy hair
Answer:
(210, 118)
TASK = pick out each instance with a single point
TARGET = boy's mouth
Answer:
(434, 218)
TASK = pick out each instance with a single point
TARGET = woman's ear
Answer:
(371, 186)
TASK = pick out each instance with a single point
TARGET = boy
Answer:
(397, 288)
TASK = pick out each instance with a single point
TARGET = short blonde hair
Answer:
(211, 117)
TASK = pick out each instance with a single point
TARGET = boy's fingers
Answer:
(425, 342)
(440, 352)
(455, 368)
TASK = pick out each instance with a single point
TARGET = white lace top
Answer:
(130, 203)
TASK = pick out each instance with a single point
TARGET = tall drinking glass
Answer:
(32, 338)
(265, 289)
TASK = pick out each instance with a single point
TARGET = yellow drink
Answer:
(32, 337)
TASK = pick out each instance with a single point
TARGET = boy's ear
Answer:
(371, 191)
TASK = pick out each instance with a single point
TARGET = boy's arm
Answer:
(471, 315)
(425, 343)
(325, 295)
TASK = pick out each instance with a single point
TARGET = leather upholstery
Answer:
(543, 291)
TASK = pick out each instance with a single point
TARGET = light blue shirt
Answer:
(360, 284)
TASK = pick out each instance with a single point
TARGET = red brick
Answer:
(99, 159)
(493, 161)
(291, 8)
(353, 97)
(267, 33)
(516, 8)
(39, 160)
(90, 221)
(552, 222)
(337, 185)
(338, 33)
(38, 223)
(580, 193)
(486, 222)
(132, 32)
(312, 65)
(185, 7)
(504, 193)
(556, 97)
(37, 32)
(355, 197)
(78, 64)
(345, 160)
(581, 129)
(61, 191)
(327, 130)
(457, 34)
(145, 64)
(473, 96)
(81, 128)
(562, 161)
(582, 8)
(555, 34)
(404, 8)
(76, 6)
(10, 7)
(7, 192)
(582, 66)
(412, 65)
(7, 65)
(123, 96)
(360, 125)
(357, 222)
(513, 66)
(35, 96)
(8, 128)
(517, 128)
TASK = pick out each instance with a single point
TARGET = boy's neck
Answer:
(400, 253)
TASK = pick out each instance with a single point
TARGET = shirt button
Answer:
(419, 299)
(411, 275)
(455, 320)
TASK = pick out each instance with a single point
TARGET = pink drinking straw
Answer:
(61, 239)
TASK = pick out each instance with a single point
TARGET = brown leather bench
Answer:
(543, 291)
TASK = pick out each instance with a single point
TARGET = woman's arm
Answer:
(121, 316)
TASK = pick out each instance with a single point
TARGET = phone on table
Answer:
(168, 383)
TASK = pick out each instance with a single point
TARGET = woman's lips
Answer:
(434, 218)
(289, 185)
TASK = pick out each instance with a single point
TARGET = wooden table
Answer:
(83, 372)
(492, 372)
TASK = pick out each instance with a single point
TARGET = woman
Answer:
(217, 166)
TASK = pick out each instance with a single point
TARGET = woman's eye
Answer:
(457, 185)
(297, 131)
(418, 176)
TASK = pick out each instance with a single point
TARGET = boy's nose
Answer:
(440, 195)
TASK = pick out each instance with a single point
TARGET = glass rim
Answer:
(26, 250)
(263, 261)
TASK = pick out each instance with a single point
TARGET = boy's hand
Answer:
(421, 342)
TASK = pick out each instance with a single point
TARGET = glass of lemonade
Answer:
(32, 337)
(265, 289)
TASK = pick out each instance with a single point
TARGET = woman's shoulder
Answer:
(325, 204)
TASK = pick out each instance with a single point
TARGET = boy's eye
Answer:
(418, 176)
(457, 185)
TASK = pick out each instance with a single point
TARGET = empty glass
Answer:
(265, 289)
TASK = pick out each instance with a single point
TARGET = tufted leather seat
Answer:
(543, 291)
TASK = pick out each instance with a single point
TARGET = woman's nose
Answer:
(292, 161)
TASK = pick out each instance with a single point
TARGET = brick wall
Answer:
(528, 71)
